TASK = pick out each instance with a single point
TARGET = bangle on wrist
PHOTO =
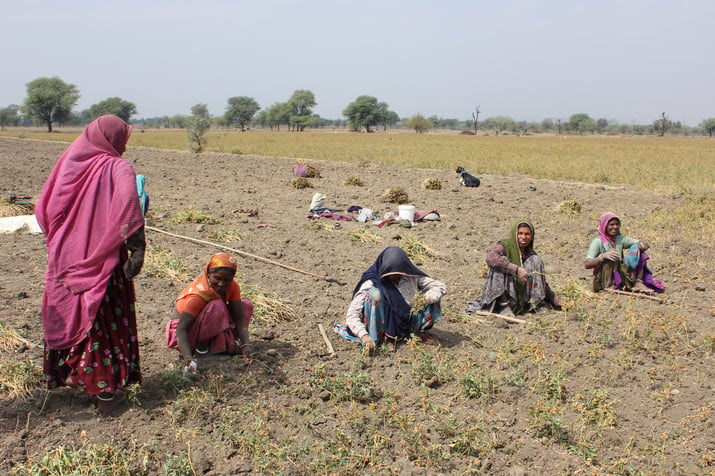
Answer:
(245, 345)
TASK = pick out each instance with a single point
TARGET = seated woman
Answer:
(516, 282)
(393, 299)
(210, 315)
(611, 269)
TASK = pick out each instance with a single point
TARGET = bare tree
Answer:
(475, 119)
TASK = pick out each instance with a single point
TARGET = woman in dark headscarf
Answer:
(393, 299)
(618, 260)
(90, 213)
(516, 282)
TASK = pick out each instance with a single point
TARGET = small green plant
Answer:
(162, 264)
(225, 235)
(354, 180)
(179, 464)
(415, 249)
(319, 225)
(173, 379)
(426, 371)
(395, 195)
(19, 378)
(432, 184)
(479, 385)
(193, 215)
(345, 386)
(547, 423)
(10, 339)
(570, 207)
(301, 183)
(89, 459)
(363, 235)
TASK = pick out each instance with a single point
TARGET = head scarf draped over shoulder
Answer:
(88, 208)
(201, 287)
(602, 224)
(391, 261)
(513, 253)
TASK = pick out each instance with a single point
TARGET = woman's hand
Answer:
(191, 370)
(522, 273)
(246, 351)
(368, 344)
(611, 255)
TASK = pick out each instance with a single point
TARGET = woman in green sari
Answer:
(516, 282)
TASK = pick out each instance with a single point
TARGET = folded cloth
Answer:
(426, 215)
(366, 215)
(354, 208)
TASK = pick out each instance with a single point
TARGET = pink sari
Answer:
(88, 207)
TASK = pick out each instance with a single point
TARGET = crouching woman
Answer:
(393, 299)
(209, 315)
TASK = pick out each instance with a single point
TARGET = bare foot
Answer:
(642, 288)
(429, 339)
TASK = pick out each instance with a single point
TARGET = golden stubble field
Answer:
(610, 385)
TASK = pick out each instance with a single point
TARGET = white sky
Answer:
(627, 60)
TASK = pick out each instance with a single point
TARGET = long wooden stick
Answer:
(638, 295)
(506, 318)
(243, 253)
(325, 338)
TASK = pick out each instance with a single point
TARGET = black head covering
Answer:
(391, 261)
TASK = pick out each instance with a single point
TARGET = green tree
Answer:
(581, 123)
(419, 123)
(240, 110)
(117, 106)
(196, 127)
(9, 116)
(708, 125)
(365, 112)
(50, 100)
(301, 105)
(200, 110)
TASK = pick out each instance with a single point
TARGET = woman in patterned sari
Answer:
(516, 282)
(90, 213)
(393, 299)
(619, 261)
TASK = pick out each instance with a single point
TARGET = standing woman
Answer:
(516, 282)
(90, 214)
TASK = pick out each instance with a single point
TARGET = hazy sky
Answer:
(628, 60)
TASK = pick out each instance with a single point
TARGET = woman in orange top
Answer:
(209, 315)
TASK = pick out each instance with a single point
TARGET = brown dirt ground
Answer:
(590, 338)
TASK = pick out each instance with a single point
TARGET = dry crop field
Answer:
(612, 384)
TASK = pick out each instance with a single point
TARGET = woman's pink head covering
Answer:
(603, 223)
(88, 207)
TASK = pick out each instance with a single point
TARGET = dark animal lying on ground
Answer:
(467, 179)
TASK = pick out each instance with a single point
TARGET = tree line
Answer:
(51, 101)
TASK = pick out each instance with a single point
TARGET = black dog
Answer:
(467, 179)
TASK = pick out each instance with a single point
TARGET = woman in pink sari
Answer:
(210, 315)
(90, 214)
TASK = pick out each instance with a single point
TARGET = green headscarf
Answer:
(513, 253)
